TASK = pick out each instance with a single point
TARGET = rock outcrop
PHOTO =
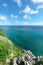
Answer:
(26, 59)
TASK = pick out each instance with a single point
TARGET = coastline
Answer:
(27, 57)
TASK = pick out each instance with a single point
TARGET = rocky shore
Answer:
(27, 59)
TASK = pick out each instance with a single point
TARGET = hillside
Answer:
(10, 54)
(7, 48)
(2, 32)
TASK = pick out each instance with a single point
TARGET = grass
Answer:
(2, 32)
(5, 49)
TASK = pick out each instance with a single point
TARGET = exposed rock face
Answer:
(15, 61)
(7, 60)
(29, 57)
(26, 59)
(26, 63)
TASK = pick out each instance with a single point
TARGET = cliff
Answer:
(10, 54)
(7, 48)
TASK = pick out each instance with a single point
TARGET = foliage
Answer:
(2, 32)
(5, 48)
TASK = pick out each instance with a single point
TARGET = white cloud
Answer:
(19, 2)
(3, 17)
(28, 23)
(37, 1)
(13, 16)
(40, 6)
(36, 23)
(26, 10)
(4, 5)
(26, 16)
(20, 23)
(34, 12)
(4, 20)
(5, 23)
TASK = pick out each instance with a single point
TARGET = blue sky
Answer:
(21, 12)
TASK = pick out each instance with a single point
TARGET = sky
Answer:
(21, 12)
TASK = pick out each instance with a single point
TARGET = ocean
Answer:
(26, 37)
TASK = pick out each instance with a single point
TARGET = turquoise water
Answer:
(28, 38)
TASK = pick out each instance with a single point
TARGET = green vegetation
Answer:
(9, 50)
(41, 59)
(2, 32)
(5, 48)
